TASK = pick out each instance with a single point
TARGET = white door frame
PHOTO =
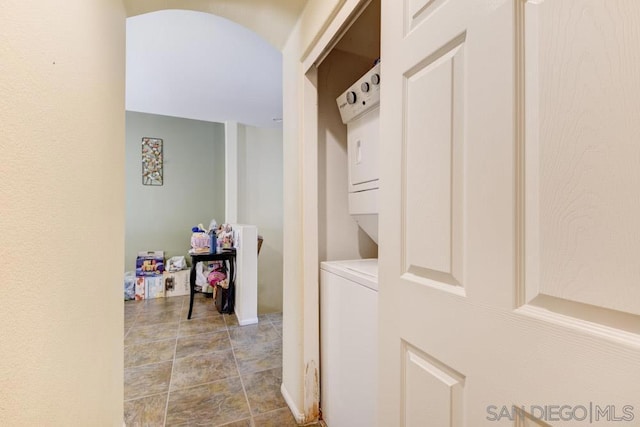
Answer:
(329, 35)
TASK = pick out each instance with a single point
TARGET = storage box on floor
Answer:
(152, 281)
(176, 283)
(149, 269)
(149, 287)
(147, 281)
(139, 288)
(150, 263)
(170, 284)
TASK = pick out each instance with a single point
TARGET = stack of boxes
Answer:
(149, 269)
(151, 280)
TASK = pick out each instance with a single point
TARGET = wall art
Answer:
(151, 161)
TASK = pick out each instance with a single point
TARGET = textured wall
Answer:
(61, 212)
(161, 217)
(260, 203)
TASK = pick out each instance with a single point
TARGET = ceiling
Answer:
(197, 65)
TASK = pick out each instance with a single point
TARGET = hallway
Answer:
(203, 371)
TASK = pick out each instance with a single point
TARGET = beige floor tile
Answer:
(200, 312)
(263, 391)
(278, 327)
(140, 333)
(243, 423)
(259, 356)
(161, 308)
(202, 343)
(195, 370)
(253, 334)
(132, 306)
(231, 320)
(147, 380)
(210, 404)
(130, 316)
(199, 300)
(278, 418)
(146, 411)
(149, 352)
(201, 326)
(159, 316)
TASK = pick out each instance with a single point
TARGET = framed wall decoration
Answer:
(151, 161)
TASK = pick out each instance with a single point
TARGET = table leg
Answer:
(192, 286)
(232, 284)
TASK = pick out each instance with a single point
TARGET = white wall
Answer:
(161, 217)
(260, 203)
(62, 220)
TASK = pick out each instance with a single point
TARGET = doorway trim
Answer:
(336, 25)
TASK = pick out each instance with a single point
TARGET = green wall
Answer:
(161, 217)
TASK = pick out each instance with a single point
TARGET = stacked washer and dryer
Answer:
(349, 289)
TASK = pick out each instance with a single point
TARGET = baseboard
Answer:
(299, 416)
(244, 322)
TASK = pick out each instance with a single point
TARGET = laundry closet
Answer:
(348, 86)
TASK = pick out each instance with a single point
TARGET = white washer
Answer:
(348, 342)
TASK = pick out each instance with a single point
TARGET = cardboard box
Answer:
(153, 287)
(176, 283)
(139, 288)
(150, 263)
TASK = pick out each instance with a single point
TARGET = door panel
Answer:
(425, 376)
(582, 173)
(507, 232)
(433, 185)
(417, 11)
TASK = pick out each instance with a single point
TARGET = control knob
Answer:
(375, 79)
(351, 97)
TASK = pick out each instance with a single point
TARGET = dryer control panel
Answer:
(362, 96)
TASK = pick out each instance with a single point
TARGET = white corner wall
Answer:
(260, 170)
(62, 221)
(246, 274)
(231, 172)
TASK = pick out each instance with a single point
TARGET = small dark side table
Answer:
(226, 255)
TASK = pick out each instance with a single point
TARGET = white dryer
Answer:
(360, 110)
(349, 342)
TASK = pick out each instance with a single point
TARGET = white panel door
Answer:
(510, 213)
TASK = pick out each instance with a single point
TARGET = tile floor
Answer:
(207, 371)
